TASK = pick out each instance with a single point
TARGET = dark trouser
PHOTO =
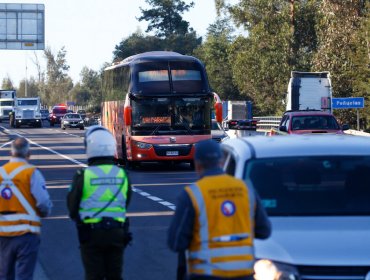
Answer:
(18, 256)
(102, 253)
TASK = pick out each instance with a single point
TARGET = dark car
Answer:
(82, 114)
(310, 121)
(72, 120)
(217, 132)
(246, 125)
(57, 114)
(44, 114)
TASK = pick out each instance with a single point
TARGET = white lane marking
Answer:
(58, 187)
(133, 214)
(50, 150)
(154, 198)
(134, 189)
(5, 144)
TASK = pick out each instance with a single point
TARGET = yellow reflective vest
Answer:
(18, 212)
(223, 231)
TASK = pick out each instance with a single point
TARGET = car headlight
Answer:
(268, 270)
(66, 122)
(81, 121)
(142, 145)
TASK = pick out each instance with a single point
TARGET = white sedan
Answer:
(316, 190)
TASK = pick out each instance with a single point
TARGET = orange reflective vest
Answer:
(223, 232)
(18, 212)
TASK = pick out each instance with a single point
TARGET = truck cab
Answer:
(6, 103)
(27, 112)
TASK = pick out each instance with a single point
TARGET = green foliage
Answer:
(215, 54)
(32, 88)
(58, 83)
(165, 17)
(136, 43)
(343, 50)
(7, 84)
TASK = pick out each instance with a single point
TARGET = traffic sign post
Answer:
(349, 103)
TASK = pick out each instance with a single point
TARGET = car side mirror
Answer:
(345, 127)
(283, 128)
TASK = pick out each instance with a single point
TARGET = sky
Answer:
(89, 30)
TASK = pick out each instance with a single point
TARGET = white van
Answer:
(309, 91)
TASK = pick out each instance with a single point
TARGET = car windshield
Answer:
(310, 186)
(27, 102)
(59, 111)
(72, 116)
(314, 122)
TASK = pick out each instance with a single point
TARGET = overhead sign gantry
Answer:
(22, 26)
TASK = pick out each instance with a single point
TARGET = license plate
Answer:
(172, 153)
(73, 124)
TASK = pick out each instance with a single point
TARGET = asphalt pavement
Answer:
(58, 154)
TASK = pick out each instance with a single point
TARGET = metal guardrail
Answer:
(267, 123)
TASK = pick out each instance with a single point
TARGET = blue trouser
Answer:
(18, 256)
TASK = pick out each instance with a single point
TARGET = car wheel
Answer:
(63, 128)
(82, 128)
(52, 124)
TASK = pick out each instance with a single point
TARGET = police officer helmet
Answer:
(99, 142)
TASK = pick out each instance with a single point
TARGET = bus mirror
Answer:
(218, 109)
(127, 115)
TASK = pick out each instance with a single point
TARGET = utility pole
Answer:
(25, 81)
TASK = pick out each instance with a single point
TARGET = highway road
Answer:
(59, 154)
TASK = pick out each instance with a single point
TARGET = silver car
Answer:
(72, 120)
(316, 190)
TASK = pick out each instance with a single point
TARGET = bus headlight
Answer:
(142, 145)
(268, 270)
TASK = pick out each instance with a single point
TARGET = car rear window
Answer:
(310, 186)
(314, 122)
(59, 111)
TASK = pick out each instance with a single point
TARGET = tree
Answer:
(7, 84)
(136, 43)
(215, 54)
(165, 17)
(343, 50)
(32, 88)
(58, 83)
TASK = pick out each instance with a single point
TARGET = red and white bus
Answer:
(158, 105)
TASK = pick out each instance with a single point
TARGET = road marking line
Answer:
(154, 198)
(50, 150)
(133, 214)
(58, 187)
(134, 189)
(5, 144)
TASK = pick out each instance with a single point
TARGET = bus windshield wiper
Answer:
(157, 128)
(183, 124)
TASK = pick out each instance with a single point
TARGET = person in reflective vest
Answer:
(23, 201)
(97, 202)
(216, 221)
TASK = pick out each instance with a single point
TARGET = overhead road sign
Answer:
(22, 26)
(348, 103)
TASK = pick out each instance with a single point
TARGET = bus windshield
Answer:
(171, 116)
(176, 77)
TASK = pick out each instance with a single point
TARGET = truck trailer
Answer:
(309, 91)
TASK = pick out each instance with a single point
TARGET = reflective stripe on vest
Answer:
(203, 257)
(31, 216)
(100, 184)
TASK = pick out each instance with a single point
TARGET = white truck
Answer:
(239, 115)
(309, 91)
(6, 103)
(27, 112)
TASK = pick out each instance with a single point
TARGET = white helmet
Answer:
(99, 142)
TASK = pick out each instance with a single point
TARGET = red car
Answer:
(57, 114)
(303, 122)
